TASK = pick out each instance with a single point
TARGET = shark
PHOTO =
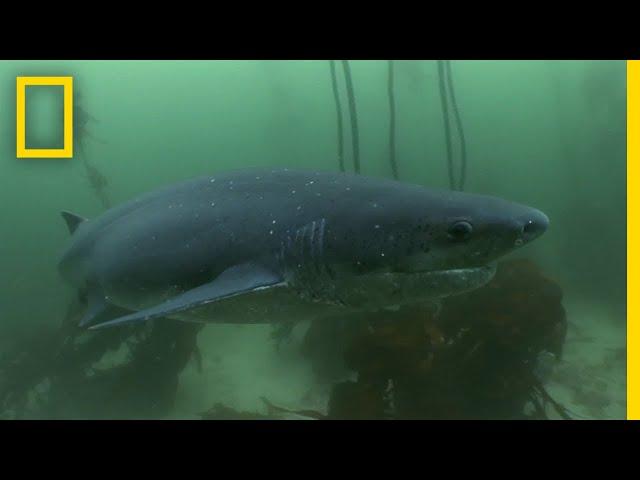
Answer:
(263, 245)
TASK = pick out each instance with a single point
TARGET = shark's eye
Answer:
(460, 231)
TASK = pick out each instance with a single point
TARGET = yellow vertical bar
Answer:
(633, 238)
(20, 117)
(68, 117)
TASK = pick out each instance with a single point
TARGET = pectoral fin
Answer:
(99, 309)
(234, 281)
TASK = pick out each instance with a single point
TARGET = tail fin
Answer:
(72, 220)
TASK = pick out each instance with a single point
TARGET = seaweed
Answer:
(66, 372)
(221, 411)
(447, 94)
(474, 358)
(81, 133)
(336, 98)
(392, 118)
(458, 123)
(353, 115)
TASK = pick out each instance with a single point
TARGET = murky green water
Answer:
(549, 134)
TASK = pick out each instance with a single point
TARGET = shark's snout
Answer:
(531, 226)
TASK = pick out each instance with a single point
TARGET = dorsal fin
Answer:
(72, 220)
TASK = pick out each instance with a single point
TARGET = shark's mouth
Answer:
(479, 270)
(444, 283)
(379, 290)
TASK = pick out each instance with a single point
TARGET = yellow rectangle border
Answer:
(21, 149)
(633, 237)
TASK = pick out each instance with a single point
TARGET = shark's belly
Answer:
(343, 296)
(269, 305)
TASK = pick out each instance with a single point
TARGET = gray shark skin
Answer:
(263, 245)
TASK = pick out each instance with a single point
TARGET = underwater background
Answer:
(550, 134)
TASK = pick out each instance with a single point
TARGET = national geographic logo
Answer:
(21, 148)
